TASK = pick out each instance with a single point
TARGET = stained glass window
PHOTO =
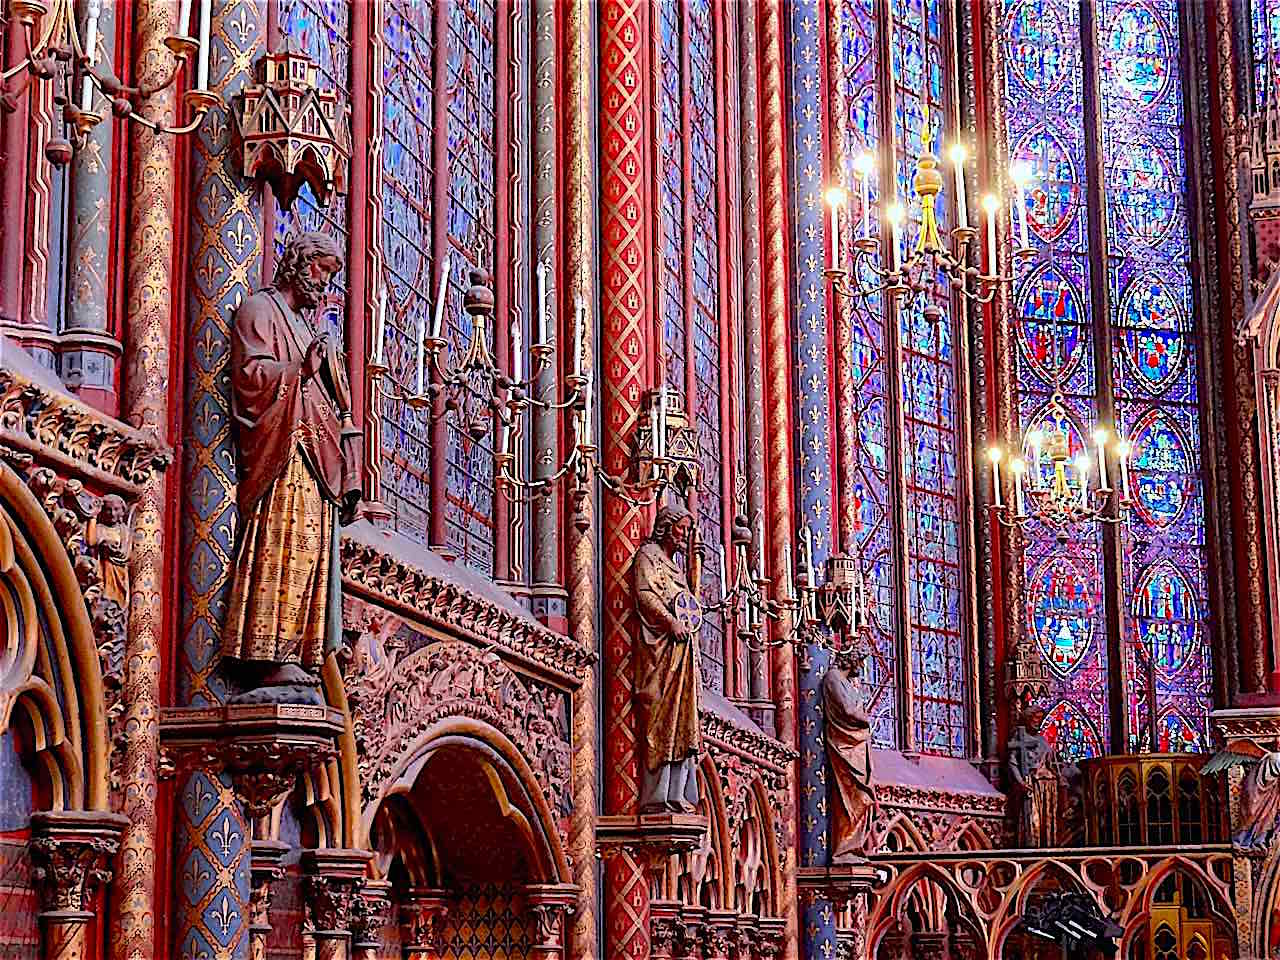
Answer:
(322, 30)
(407, 216)
(1265, 35)
(1136, 365)
(689, 269)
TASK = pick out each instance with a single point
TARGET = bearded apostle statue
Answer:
(852, 798)
(299, 472)
(666, 664)
(1036, 783)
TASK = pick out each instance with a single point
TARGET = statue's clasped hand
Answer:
(316, 354)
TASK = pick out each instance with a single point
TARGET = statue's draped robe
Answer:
(285, 596)
(666, 672)
(1262, 799)
(849, 753)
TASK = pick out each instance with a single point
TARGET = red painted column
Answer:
(779, 430)
(626, 264)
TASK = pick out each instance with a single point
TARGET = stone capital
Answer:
(72, 854)
(421, 916)
(332, 877)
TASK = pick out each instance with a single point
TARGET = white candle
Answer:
(90, 51)
(995, 454)
(662, 420)
(724, 571)
(1035, 439)
(437, 323)
(1082, 467)
(992, 206)
(1100, 438)
(541, 271)
(586, 430)
(897, 218)
(202, 58)
(1123, 450)
(506, 438)
(862, 166)
(580, 323)
(422, 343)
(184, 19)
(836, 198)
(1020, 174)
(1018, 466)
(786, 572)
(517, 352)
(380, 328)
(807, 536)
(958, 156)
(655, 447)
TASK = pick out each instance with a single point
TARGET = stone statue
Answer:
(111, 539)
(852, 798)
(1036, 782)
(1261, 803)
(299, 466)
(666, 664)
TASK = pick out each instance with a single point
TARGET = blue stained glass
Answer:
(1044, 108)
(320, 29)
(1265, 34)
(671, 190)
(407, 216)
(1163, 561)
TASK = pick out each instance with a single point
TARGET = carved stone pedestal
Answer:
(549, 902)
(651, 835)
(72, 854)
(332, 878)
(421, 917)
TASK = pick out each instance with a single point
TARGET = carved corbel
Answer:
(772, 938)
(72, 853)
(719, 935)
(745, 936)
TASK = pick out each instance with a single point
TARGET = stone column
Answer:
(368, 916)
(626, 331)
(421, 918)
(332, 880)
(264, 869)
(147, 372)
(88, 353)
(72, 853)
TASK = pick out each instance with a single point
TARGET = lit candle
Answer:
(655, 445)
(896, 216)
(786, 572)
(1020, 174)
(1035, 440)
(991, 204)
(1082, 467)
(184, 19)
(1018, 466)
(580, 323)
(836, 197)
(1100, 438)
(1123, 451)
(863, 166)
(724, 571)
(958, 156)
(438, 322)
(517, 352)
(380, 327)
(202, 58)
(90, 51)
(995, 453)
(541, 271)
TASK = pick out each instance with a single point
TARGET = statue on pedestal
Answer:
(299, 472)
(852, 797)
(666, 664)
(1036, 782)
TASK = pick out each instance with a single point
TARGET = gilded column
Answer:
(146, 376)
(626, 262)
(580, 579)
(774, 190)
(89, 354)
(213, 915)
(548, 593)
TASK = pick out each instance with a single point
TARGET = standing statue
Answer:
(300, 467)
(666, 677)
(848, 737)
(110, 536)
(1036, 781)
(1261, 803)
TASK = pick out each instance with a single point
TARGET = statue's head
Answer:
(671, 526)
(307, 267)
(113, 510)
(851, 658)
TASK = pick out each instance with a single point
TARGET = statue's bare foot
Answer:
(287, 675)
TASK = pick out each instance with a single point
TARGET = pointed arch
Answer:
(50, 674)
